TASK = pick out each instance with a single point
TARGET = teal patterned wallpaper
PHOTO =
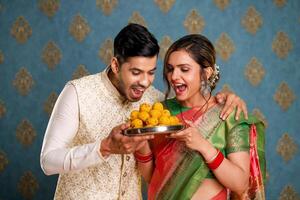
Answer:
(45, 43)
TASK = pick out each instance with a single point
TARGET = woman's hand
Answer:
(194, 140)
(190, 136)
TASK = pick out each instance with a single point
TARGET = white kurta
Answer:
(84, 114)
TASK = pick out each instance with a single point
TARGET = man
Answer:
(84, 142)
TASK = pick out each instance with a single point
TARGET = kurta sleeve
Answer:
(56, 157)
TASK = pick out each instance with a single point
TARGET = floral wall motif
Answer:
(49, 7)
(21, 30)
(45, 43)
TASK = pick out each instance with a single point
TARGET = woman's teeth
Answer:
(180, 87)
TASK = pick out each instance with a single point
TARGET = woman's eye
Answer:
(169, 69)
(184, 69)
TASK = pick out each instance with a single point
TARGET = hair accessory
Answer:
(214, 77)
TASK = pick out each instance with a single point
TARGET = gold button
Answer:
(123, 193)
(127, 158)
(125, 174)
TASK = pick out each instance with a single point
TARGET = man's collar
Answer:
(110, 87)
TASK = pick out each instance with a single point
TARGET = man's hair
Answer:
(134, 40)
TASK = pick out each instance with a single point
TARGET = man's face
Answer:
(135, 76)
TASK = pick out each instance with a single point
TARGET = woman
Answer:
(211, 158)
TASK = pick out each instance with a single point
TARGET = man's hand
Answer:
(117, 143)
(231, 101)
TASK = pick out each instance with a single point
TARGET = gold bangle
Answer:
(214, 157)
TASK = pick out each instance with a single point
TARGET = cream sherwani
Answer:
(84, 114)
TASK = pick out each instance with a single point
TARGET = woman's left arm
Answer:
(232, 172)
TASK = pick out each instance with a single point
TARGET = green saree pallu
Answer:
(179, 171)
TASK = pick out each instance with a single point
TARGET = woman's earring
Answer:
(205, 88)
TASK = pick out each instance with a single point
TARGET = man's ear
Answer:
(208, 72)
(114, 64)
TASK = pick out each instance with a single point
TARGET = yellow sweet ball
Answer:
(148, 126)
(158, 106)
(166, 113)
(164, 120)
(143, 115)
(174, 120)
(145, 107)
(151, 121)
(152, 115)
(137, 123)
(155, 113)
(134, 114)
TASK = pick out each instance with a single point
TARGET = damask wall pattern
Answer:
(45, 43)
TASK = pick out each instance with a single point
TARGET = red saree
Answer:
(180, 171)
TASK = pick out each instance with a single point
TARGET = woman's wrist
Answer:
(144, 154)
(143, 158)
(144, 149)
(215, 161)
(207, 150)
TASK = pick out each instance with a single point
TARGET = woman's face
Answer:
(183, 74)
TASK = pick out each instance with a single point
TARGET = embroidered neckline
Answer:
(112, 90)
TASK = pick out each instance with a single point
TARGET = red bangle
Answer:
(216, 162)
(143, 158)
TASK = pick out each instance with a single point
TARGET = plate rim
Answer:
(153, 130)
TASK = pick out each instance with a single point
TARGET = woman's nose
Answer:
(175, 75)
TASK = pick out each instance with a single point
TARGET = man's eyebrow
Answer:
(140, 70)
(153, 69)
(135, 68)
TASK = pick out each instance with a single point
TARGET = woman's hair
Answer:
(201, 50)
(134, 40)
